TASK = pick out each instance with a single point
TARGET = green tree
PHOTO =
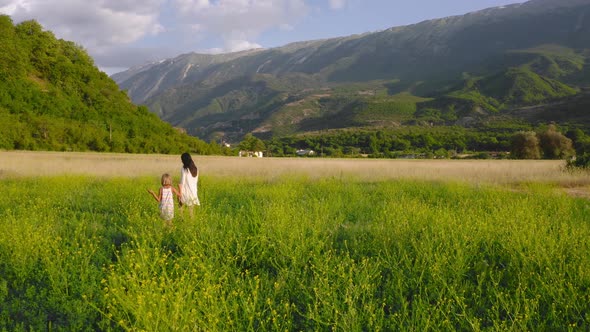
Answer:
(525, 145)
(580, 140)
(555, 145)
(373, 144)
(251, 143)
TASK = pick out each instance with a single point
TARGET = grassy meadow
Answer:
(293, 245)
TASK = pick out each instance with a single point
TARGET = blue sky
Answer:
(120, 34)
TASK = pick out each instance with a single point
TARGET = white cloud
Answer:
(10, 6)
(196, 27)
(337, 4)
(103, 27)
(215, 50)
(187, 6)
(144, 7)
(113, 30)
(92, 23)
(286, 27)
(239, 22)
(240, 45)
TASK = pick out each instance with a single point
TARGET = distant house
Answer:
(257, 154)
(306, 152)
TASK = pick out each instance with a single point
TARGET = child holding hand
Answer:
(166, 198)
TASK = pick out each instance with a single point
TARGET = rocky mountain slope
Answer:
(448, 71)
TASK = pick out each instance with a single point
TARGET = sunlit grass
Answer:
(293, 253)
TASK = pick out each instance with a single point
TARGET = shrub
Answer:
(555, 145)
(582, 161)
(525, 145)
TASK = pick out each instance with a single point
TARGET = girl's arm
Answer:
(176, 192)
(156, 197)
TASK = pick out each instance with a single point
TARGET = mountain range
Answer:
(525, 62)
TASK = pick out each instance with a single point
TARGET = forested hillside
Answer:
(52, 97)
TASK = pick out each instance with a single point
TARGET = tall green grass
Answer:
(80, 253)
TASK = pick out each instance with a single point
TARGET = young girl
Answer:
(166, 198)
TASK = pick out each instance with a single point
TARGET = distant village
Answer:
(260, 154)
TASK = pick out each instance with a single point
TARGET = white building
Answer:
(257, 154)
(306, 152)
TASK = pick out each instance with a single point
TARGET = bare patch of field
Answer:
(24, 164)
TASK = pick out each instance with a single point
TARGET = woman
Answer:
(187, 188)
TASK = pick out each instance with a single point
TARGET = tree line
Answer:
(544, 142)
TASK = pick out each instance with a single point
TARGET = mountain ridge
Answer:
(214, 98)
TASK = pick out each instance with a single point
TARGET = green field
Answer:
(293, 253)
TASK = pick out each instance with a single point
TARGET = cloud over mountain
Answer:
(126, 32)
(123, 33)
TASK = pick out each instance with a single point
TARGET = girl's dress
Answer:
(188, 184)
(167, 204)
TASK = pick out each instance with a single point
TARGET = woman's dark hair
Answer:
(188, 163)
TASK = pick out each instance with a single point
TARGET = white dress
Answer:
(188, 185)
(167, 204)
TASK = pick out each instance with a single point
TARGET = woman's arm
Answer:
(181, 182)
